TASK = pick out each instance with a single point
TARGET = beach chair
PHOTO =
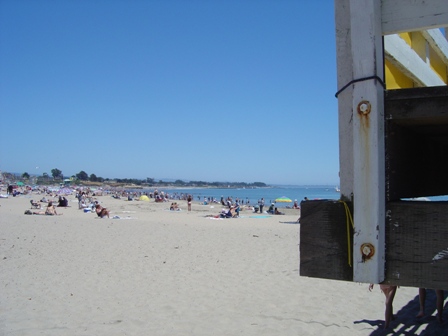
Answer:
(34, 205)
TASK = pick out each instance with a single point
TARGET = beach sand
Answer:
(156, 272)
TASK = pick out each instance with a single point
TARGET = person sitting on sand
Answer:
(226, 213)
(101, 212)
(276, 212)
(296, 205)
(271, 209)
(63, 202)
(50, 211)
(389, 291)
(174, 207)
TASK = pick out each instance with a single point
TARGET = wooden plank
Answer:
(412, 15)
(323, 240)
(417, 244)
(403, 57)
(368, 141)
(422, 107)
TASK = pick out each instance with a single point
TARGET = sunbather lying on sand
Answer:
(50, 211)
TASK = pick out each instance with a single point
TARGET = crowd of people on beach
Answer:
(87, 201)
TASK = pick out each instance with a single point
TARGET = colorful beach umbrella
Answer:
(283, 199)
(65, 191)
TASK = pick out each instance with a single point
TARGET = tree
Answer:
(82, 175)
(25, 176)
(93, 178)
(56, 173)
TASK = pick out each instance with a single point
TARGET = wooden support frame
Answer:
(360, 26)
(404, 58)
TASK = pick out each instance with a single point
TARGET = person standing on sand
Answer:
(261, 204)
(189, 198)
(389, 291)
(439, 304)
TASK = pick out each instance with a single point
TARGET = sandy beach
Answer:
(159, 272)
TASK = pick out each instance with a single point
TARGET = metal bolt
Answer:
(367, 251)
(364, 107)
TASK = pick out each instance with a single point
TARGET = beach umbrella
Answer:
(283, 199)
(65, 191)
(144, 198)
(19, 183)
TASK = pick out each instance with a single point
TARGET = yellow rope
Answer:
(349, 220)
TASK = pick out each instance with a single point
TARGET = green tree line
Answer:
(82, 176)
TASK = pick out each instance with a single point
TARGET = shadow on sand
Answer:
(406, 323)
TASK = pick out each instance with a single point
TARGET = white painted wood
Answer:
(368, 140)
(413, 15)
(344, 76)
(438, 42)
(400, 54)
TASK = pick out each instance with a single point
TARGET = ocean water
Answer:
(269, 194)
(253, 195)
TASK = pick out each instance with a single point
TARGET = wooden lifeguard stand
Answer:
(393, 146)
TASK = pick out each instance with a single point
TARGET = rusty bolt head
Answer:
(367, 251)
(364, 107)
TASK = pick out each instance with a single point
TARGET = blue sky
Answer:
(196, 90)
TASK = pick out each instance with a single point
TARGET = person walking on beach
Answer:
(439, 304)
(389, 291)
(189, 198)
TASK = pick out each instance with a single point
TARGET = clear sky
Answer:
(225, 90)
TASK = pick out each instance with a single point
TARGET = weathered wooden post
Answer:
(362, 110)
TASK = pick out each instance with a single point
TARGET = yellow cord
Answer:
(349, 220)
